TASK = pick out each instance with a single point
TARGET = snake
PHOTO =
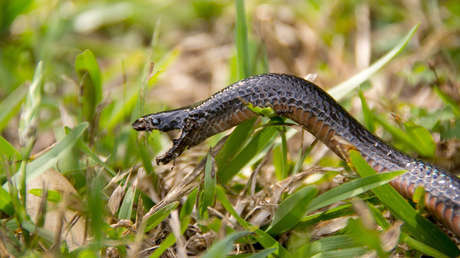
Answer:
(317, 112)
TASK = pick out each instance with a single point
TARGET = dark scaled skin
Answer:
(317, 112)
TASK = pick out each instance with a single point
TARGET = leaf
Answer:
(341, 90)
(127, 204)
(241, 38)
(224, 246)
(160, 215)
(346, 252)
(86, 150)
(419, 198)
(448, 101)
(52, 195)
(280, 161)
(262, 237)
(351, 189)
(264, 253)
(243, 131)
(291, 210)
(418, 226)
(405, 137)
(424, 248)
(368, 116)
(7, 150)
(262, 111)
(96, 209)
(147, 162)
(331, 243)
(234, 143)
(422, 137)
(209, 189)
(50, 158)
(11, 105)
(302, 156)
(340, 211)
(91, 81)
(357, 230)
(258, 142)
(31, 106)
(5, 202)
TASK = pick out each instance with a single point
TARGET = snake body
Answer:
(318, 113)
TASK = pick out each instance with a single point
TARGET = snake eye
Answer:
(155, 122)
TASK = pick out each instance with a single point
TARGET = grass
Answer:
(79, 181)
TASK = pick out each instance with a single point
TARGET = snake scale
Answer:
(318, 113)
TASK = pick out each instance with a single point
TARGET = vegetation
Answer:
(78, 181)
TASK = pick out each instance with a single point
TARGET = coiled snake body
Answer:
(317, 112)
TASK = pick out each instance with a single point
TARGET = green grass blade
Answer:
(8, 150)
(243, 131)
(96, 210)
(261, 236)
(426, 249)
(43, 233)
(356, 230)
(340, 211)
(351, 189)
(378, 216)
(426, 149)
(241, 37)
(86, 150)
(51, 195)
(224, 246)
(209, 188)
(160, 215)
(302, 156)
(331, 243)
(126, 207)
(11, 105)
(448, 101)
(259, 142)
(5, 202)
(31, 106)
(367, 114)
(341, 90)
(90, 77)
(419, 227)
(290, 211)
(50, 158)
(422, 137)
(147, 162)
(234, 143)
(346, 252)
(280, 161)
(264, 253)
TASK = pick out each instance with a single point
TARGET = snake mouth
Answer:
(141, 124)
(172, 153)
(179, 146)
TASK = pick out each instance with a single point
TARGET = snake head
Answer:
(163, 121)
(167, 121)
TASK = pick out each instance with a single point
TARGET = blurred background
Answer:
(156, 54)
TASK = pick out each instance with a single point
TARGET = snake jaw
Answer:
(179, 146)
